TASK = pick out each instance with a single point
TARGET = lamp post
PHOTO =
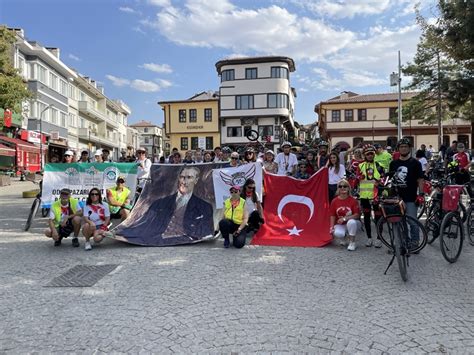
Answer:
(41, 133)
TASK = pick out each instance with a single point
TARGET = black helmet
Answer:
(323, 144)
(226, 150)
(404, 140)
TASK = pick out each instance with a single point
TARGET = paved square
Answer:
(206, 299)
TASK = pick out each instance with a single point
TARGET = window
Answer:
(63, 120)
(392, 141)
(362, 114)
(72, 92)
(336, 116)
(53, 81)
(184, 143)
(348, 115)
(82, 96)
(145, 130)
(192, 118)
(54, 116)
(265, 131)
(42, 74)
(63, 87)
(227, 75)
(244, 102)
(393, 113)
(234, 131)
(279, 72)
(462, 138)
(182, 116)
(277, 100)
(209, 143)
(32, 71)
(247, 129)
(251, 73)
(72, 120)
(356, 141)
(194, 143)
(147, 140)
(208, 115)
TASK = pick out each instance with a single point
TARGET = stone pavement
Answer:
(206, 299)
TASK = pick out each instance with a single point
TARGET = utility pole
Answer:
(399, 123)
(438, 106)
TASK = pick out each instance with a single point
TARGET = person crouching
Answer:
(235, 219)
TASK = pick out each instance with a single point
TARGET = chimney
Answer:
(55, 51)
(344, 95)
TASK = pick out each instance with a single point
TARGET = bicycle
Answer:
(470, 222)
(452, 227)
(396, 222)
(35, 206)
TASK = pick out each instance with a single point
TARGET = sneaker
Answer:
(88, 246)
(378, 243)
(57, 243)
(368, 243)
(226, 243)
(352, 246)
(75, 242)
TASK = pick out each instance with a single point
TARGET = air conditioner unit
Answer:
(54, 135)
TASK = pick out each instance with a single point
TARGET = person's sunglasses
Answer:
(234, 158)
(141, 152)
(251, 187)
(234, 191)
(120, 181)
(369, 153)
(94, 194)
(343, 186)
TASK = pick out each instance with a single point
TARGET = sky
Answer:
(145, 51)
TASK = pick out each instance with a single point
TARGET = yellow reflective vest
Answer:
(366, 186)
(235, 214)
(56, 208)
(120, 197)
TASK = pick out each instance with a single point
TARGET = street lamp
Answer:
(41, 133)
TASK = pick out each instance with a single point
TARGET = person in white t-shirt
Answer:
(287, 162)
(252, 205)
(144, 166)
(96, 218)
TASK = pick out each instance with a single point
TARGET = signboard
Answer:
(33, 137)
(54, 135)
(202, 142)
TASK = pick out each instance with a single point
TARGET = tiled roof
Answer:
(371, 98)
(143, 123)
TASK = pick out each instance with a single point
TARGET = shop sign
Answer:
(31, 136)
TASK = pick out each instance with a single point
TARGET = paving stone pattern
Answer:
(206, 299)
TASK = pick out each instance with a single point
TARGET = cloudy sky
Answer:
(145, 51)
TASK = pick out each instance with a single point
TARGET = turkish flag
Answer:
(296, 212)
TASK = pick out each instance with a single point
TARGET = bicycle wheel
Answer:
(399, 234)
(432, 222)
(451, 236)
(421, 210)
(384, 233)
(33, 210)
(470, 225)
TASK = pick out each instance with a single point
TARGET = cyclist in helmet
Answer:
(369, 173)
(463, 160)
(287, 161)
(225, 158)
(322, 154)
(408, 174)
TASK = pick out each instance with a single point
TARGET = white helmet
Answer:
(286, 143)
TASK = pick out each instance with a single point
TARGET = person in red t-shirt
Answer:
(464, 161)
(344, 214)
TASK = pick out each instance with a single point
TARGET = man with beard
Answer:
(369, 172)
(408, 175)
(287, 162)
(322, 154)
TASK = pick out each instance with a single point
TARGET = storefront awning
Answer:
(25, 146)
(6, 151)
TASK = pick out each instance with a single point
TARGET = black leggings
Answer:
(227, 226)
(366, 209)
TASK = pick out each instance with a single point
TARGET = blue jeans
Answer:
(412, 211)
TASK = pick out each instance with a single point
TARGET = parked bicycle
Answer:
(397, 230)
(36, 206)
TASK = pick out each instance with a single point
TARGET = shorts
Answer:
(65, 231)
(102, 227)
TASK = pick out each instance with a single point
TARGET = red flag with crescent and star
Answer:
(296, 212)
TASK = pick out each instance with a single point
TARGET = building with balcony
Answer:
(192, 123)
(133, 141)
(150, 137)
(353, 118)
(255, 93)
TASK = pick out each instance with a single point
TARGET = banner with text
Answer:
(81, 177)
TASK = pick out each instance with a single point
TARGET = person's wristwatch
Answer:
(344, 219)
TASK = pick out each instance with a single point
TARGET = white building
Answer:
(255, 93)
(150, 138)
(133, 141)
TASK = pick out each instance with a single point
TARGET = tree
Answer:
(13, 90)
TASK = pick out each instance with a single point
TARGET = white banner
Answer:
(81, 177)
(223, 179)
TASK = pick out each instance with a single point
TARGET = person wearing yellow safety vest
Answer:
(369, 173)
(382, 157)
(118, 198)
(64, 218)
(235, 219)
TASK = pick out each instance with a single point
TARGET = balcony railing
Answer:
(87, 108)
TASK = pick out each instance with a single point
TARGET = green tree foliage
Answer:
(13, 90)
(451, 38)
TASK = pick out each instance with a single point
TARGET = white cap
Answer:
(98, 152)
(69, 152)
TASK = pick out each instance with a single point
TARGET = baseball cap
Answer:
(98, 152)
(270, 152)
(461, 145)
(120, 177)
(377, 146)
(141, 149)
(286, 144)
(69, 152)
(234, 155)
(235, 187)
